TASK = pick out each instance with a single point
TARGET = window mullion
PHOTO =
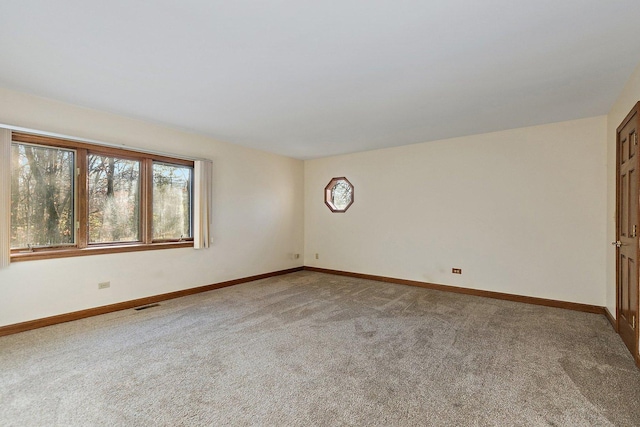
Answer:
(146, 214)
(82, 213)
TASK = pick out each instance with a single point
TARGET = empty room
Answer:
(305, 213)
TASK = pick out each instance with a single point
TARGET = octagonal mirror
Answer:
(338, 194)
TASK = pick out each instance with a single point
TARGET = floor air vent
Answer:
(144, 307)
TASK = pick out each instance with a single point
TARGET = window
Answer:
(42, 196)
(338, 194)
(171, 201)
(70, 198)
(114, 199)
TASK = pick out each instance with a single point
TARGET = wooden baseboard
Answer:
(76, 315)
(68, 317)
(611, 319)
(467, 291)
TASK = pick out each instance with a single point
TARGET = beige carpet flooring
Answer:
(310, 349)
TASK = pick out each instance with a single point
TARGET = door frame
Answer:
(634, 111)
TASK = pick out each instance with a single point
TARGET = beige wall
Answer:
(520, 211)
(258, 219)
(627, 99)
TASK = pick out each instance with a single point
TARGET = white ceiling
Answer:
(315, 78)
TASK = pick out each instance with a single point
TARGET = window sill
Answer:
(66, 253)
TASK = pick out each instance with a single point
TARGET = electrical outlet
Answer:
(456, 270)
(317, 256)
(296, 256)
(104, 285)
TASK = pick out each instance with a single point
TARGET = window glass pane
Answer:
(171, 201)
(341, 194)
(42, 202)
(114, 199)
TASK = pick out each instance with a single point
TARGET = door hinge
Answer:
(635, 138)
(634, 230)
(77, 225)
